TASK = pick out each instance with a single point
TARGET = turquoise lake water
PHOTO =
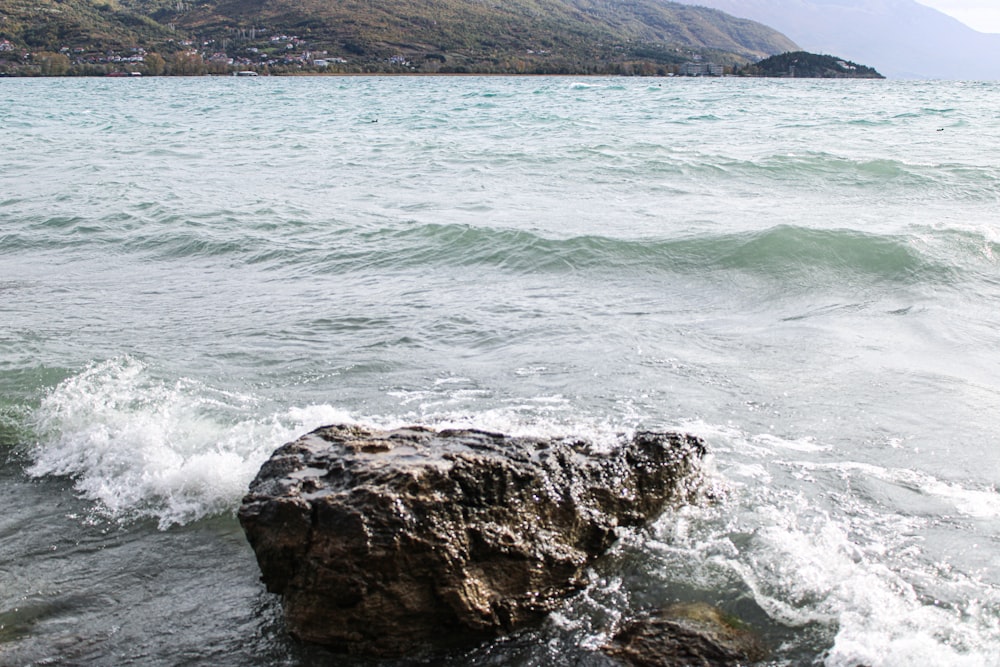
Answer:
(806, 274)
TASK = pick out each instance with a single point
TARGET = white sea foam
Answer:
(814, 571)
(177, 451)
(545, 416)
(859, 571)
(798, 445)
(820, 573)
(977, 503)
(143, 447)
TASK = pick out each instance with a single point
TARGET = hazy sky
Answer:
(983, 15)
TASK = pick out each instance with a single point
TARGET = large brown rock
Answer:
(395, 542)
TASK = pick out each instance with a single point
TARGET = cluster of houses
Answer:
(284, 51)
(19, 58)
(279, 51)
(304, 59)
(133, 57)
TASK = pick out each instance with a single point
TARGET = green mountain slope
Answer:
(52, 24)
(572, 36)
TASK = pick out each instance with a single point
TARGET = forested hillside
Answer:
(558, 36)
(803, 65)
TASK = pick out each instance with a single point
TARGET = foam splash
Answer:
(880, 615)
(542, 416)
(859, 571)
(142, 447)
(813, 572)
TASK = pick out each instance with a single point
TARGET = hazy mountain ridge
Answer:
(576, 36)
(901, 38)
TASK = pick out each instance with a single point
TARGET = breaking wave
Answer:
(142, 447)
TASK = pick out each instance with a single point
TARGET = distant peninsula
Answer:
(803, 65)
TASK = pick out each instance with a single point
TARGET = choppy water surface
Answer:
(803, 273)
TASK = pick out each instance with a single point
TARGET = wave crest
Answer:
(776, 252)
(144, 448)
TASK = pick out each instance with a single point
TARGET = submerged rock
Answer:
(395, 542)
(686, 635)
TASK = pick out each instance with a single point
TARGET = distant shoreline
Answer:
(525, 75)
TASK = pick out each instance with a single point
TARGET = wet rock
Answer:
(395, 542)
(686, 635)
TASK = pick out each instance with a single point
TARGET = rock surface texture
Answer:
(398, 542)
(686, 635)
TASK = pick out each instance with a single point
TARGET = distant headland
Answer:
(803, 65)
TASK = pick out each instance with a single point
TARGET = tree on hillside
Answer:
(155, 64)
(187, 63)
(53, 64)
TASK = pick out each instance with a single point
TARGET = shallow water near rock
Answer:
(802, 273)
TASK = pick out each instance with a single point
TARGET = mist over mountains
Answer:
(900, 38)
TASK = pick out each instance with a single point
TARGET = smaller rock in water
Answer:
(397, 542)
(686, 635)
